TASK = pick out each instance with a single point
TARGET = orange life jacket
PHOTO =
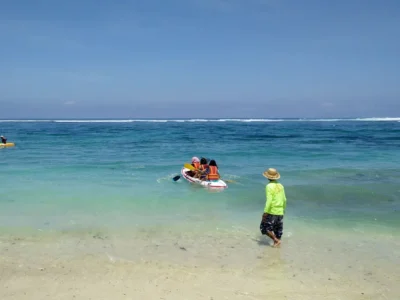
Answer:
(196, 165)
(213, 174)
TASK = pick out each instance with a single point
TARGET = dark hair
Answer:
(203, 161)
(213, 163)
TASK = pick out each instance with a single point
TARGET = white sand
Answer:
(177, 264)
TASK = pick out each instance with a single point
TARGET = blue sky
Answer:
(199, 58)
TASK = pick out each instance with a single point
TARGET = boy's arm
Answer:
(284, 201)
(268, 201)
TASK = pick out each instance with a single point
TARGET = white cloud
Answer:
(69, 103)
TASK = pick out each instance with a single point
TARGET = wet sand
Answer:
(172, 263)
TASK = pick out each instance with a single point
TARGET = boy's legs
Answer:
(268, 226)
(278, 230)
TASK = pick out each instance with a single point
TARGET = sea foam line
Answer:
(203, 120)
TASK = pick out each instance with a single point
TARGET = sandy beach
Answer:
(174, 264)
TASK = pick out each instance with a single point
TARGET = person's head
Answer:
(195, 159)
(213, 163)
(203, 161)
(272, 174)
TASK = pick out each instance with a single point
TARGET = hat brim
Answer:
(277, 176)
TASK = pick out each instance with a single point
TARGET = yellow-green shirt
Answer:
(276, 199)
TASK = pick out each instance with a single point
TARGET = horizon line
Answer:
(232, 119)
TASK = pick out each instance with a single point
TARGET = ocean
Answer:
(346, 173)
(114, 177)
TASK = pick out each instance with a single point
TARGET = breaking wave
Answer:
(205, 120)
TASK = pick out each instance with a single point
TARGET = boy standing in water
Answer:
(272, 219)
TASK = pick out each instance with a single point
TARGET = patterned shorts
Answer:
(272, 223)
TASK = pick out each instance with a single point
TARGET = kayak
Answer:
(7, 145)
(207, 183)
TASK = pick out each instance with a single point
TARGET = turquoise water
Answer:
(118, 173)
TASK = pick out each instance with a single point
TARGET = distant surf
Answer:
(244, 120)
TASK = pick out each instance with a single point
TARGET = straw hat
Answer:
(272, 174)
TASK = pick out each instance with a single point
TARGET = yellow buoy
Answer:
(7, 145)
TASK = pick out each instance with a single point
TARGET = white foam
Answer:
(387, 119)
(378, 119)
(25, 121)
(352, 120)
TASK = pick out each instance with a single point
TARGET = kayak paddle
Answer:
(229, 180)
(176, 178)
(189, 166)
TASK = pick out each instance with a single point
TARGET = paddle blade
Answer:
(176, 178)
(229, 180)
(189, 166)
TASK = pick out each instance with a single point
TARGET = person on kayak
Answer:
(203, 164)
(3, 140)
(202, 169)
(211, 172)
(196, 164)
